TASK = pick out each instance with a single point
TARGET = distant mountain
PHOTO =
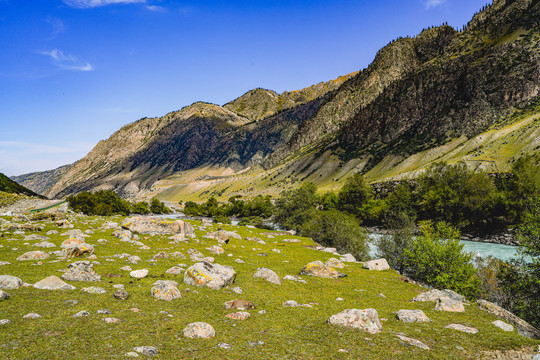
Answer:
(11, 187)
(468, 96)
(40, 182)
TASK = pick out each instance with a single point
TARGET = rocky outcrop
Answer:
(148, 225)
(367, 320)
(523, 327)
(214, 276)
(319, 269)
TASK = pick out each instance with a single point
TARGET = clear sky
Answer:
(72, 72)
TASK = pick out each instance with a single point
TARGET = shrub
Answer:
(221, 219)
(157, 207)
(400, 237)
(256, 221)
(339, 230)
(436, 258)
(192, 209)
(140, 208)
(296, 207)
(355, 196)
(103, 203)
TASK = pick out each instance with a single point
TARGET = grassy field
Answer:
(287, 333)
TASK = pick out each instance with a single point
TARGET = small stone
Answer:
(81, 271)
(3, 295)
(339, 299)
(118, 286)
(268, 275)
(237, 289)
(121, 294)
(31, 316)
(239, 261)
(104, 311)
(318, 269)
(126, 268)
(81, 314)
(175, 270)
(224, 346)
(4, 322)
(413, 342)
(256, 343)
(463, 328)
(199, 330)
(448, 304)
(334, 263)
(239, 305)
(240, 315)
(216, 250)
(295, 278)
(503, 326)
(134, 259)
(290, 303)
(147, 350)
(166, 290)
(53, 283)
(94, 290)
(411, 316)
(262, 312)
(111, 320)
(139, 274)
(33, 255)
(379, 264)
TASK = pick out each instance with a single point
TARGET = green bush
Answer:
(436, 258)
(157, 207)
(400, 237)
(103, 203)
(355, 197)
(192, 209)
(337, 229)
(256, 221)
(296, 207)
(140, 208)
(220, 219)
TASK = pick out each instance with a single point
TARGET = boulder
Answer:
(268, 275)
(240, 315)
(413, 342)
(81, 271)
(8, 282)
(94, 290)
(76, 233)
(434, 295)
(166, 290)
(3, 295)
(523, 328)
(317, 268)
(161, 255)
(78, 250)
(214, 276)
(503, 326)
(148, 225)
(139, 274)
(410, 316)
(379, 264)
(199, 330)
(53, 283)
(221, 236)
(462, 328)
(146, 350)
(175, 270)
(239, 305)
(449, 304)
(216, 250)
(334, 263)
(367, 320)
(71, 242)
(44, 244)
(121, 294)
(33, 255)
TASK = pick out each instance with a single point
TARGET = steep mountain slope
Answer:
(11, 187)
(40, 182)
(470, 95)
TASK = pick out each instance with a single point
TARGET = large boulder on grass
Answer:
(166, 290)
(367, 320)
(33, 255)
(149, 225)
(8, 282)
(53, 283)
(319, 269)
(214, 276)
(81, 271)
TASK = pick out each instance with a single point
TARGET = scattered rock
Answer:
(268, 275)
(139, 274)
(71, 242)
(503, 326)
(410, 316)
(291, 240)
(214, 276)
(53, 283)
(166, 290)
(379, 264)
(240, 315)
(348, 258)
(434, 295)
(413, 342)
(31, 316)
(146, 350)
(239, 305)
(463, 328)
(175, 270)
(290, 303)
(367, 320)
(224, 346)
(237, 289)
(134, 259)
(4, 322)
(161, 255)
(448, 304)
(318, 269)
(199, 330)
(334, 263)
(104, 311)
(94, 290)
(3, 295)
(121, 294)
(33, 255)
(8, 282)
(78, 250)
(81, 314)
(44, 244)
(216, 250)
(81, 271)
(111, 320)
(256, 343)
(126, 268)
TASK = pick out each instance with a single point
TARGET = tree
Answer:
(392, 246)
(295, 207)
(436, 258)
(355, 196)
(157, 207)
(339, 230)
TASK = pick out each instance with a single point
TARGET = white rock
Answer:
(139, 274)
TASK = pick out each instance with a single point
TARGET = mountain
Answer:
(470, 95)
(11, 187)
(40, 182)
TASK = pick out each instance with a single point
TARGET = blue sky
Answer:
(72, 72)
